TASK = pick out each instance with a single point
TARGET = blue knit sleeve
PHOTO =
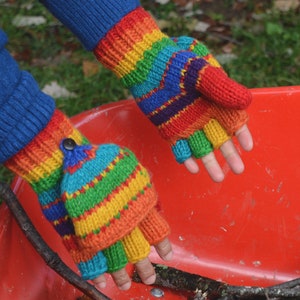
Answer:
(90, 20)
(24, 109)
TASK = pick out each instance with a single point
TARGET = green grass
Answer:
(270, 52)
(267, 49)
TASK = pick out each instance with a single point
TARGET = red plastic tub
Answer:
(243, 231)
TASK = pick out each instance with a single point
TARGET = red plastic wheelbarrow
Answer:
(243, 231)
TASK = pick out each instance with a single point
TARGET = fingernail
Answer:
(125, 286)
(169, 256)
(101, 285)
(150, 280)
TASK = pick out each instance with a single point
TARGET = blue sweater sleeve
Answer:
(90, 20)
(24, 109)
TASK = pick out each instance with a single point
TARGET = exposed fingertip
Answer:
(150, 280)
(219, 177)
(126, 286)
(239, 169)
(191, 165)
(100, 285)
(245, 138)
(168, 256)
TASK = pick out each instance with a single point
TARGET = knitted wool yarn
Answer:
(174, 81)
(126, 39)
(157, 71)
(30, 133)
(40, 164)
(111, 201)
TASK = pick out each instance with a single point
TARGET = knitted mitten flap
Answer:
(106, 191)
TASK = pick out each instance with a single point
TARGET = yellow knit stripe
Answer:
(102, 214)
(131, 58)
(213, 62)
(136, 246)
(52, 163)
(215, 133)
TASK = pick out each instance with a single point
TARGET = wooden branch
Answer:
(204, 288)
(51, 258)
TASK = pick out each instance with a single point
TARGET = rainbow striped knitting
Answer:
(110, 199)
(127, 40)
(175, 83)
(40, 164)
(30, 133)
(157, 71)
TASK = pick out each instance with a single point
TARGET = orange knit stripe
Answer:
(44, 149)
(185, 122)
(129, 219)
(126, 28)
(107, 201)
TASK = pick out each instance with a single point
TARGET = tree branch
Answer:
(51, 258)
(203, 288)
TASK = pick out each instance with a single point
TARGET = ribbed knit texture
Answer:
(126, 39)
(177, 83)
(108, 194)
(24, 109)
(174, 81)
(156, 70)
(90, 20)
(40, 164)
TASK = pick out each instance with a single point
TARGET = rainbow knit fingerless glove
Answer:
(159, 73)
(30, 133)
(111, 201)
(40, 164)
(199, 134)
(127, 40)
(175, 82)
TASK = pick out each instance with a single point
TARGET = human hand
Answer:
(240, 130)
(111, 202)
(164, 74)
(174, 81)
(229, 152)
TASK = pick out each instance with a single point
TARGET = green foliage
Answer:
(270, 51)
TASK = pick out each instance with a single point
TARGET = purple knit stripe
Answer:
(173, 109)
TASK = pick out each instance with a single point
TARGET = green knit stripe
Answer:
(153, 57)
(113, 179)
(199, 144)
(116, 257)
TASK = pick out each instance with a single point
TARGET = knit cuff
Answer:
(22, 117)
(90, 20)
(3, 39)
(40, 162)
(134, 47)
(25, 109)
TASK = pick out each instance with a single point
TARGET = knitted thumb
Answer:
(109, 197)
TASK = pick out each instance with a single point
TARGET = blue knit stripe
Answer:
(91, 269)
(25, 109)
(90, 20)
(171, 84)
(181, 151)
(106, 153)
(155, 74)
(55, 211)
(47, 196)
(64, 228)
